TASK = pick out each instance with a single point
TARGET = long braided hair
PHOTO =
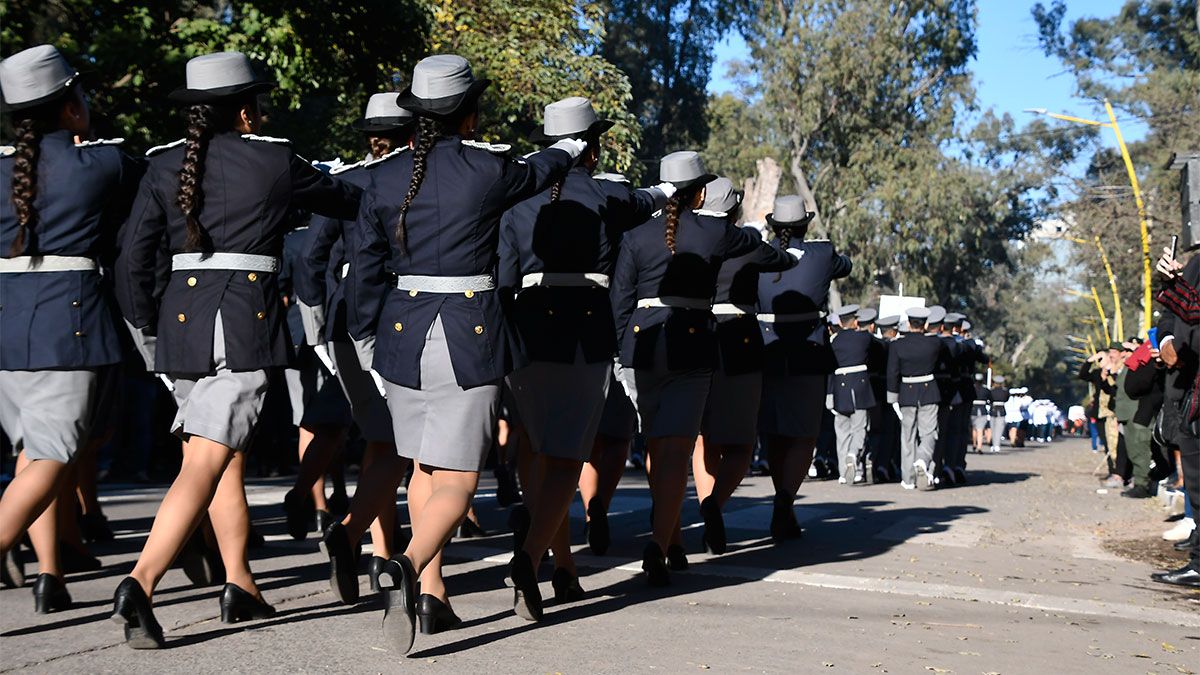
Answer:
(428, 132)
(677, 202)
(29, 132)
(593, 146)
(201, 122)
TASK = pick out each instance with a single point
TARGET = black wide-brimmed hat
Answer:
(789, 211)
(212, 78)
(383, 115)
(441, 86)
(35, 76)
(571, 117)
(684, 169)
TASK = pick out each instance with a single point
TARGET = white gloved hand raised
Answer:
(796, 253)
(322, 352)
(668, 189)
(167, 381)
(572, 146)
(378, 379)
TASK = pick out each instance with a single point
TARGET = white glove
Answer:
(668, 189)
(378, 382)
(896, 407)
(572, 146)
(322, 352)
(170, 384)
(796, 253)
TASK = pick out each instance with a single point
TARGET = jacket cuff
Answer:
(893, 397)
(659, 197)
(313, 318)
(145, 343)
(365, 349)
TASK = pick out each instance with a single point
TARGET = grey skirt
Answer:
(367, 406)
(224, 406)
(731, 414)
(792, 405)
(47, 413)
(441, 424)
(315, 395)
(561, 404)
(618, 420)
(670, 402)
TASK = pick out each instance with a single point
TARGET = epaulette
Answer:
(714, 214)
(161, 148)
(611, 177)
(100, 141)
(328, 165)
(7, 151)
(266, 139)
(498, 148)
(816, 241)
(346, 167)
(381, 160)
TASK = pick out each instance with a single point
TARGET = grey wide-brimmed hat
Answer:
(937, 314)
(789, 211)
(867, 315)
(218, 76)
(999, 379)
(720, 196)
(571, 117)
(35, 76)
(954, 319)
(383, 115)
(918, 313)
(441, 86)
(684, 169)
(888, 321)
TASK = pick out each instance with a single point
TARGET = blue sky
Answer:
(1010, 70)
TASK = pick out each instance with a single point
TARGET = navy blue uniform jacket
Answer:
(581, 232)
(453, 230)
(646, 269)
(250, 187)
(913, 355)
(801, 348)
(853, 391)
(65, 320)
(739, 336)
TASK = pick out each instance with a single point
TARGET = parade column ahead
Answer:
(441, 342)
(65, 200)
(851, 396)
(913, 359)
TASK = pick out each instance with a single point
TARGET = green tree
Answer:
(740, 134)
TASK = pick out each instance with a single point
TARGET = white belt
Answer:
(674, 301)
(978, 402)
(790, 318)
(861, 368)
(729, 309)
(241, 262)
(428, 284)
(47, 263)
(917, 379)
(569, 279)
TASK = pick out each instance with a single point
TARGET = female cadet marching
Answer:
(220, 197)
(441, 343)
(557, 252)
(387, 129)
(66, 199)
(730, 427)
(662, 299)
(791, 306)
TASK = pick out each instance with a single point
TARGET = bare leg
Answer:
(85, 472)
(789, 459)
(383, 457)
(706, 460)
(668, 484)
(731, 470)
(30, 494)
(185, 503)
(376, 491)
(555, 483)
(602, 473)
(318, 445)
(420, 489)
(447, 505)
(230, 517)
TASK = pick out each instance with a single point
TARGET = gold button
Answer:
(78, 333)
(550, 312)
(398, 326)
(261, 315)
(191, 281)
(74, 303)
(692, 330)
(745, 341)
(182, 318)
(479, 330)
(252, 276)
(412, 293)
(469, 294)
(589, 312)
(636, 328)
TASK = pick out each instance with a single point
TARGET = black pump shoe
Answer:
(374, 567)
(714, 525)
(201, 564)
(238, 605)
(566, 586)
(131, 609)
(435, 616)
(12, 568)
(323, 518)
(655, 566)
(398, 583)
(676, 558)
(471, 530)
(95, 527)
(598, 535)
(527, 597)
(50, 594)
(299, 509)
(343, 564)
(783, 520)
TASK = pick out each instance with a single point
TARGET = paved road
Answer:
(1014, 573)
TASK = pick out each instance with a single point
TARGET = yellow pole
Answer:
(1077, 350)
(1118, 319)
(1103, 318)
(1147, 278)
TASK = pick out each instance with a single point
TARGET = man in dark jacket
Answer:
(1143, 385)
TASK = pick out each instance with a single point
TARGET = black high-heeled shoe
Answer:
(398, 583)
(714, 525)
(655, 566)
(131, 609)
(566, 586)
(374, 566)
(527, 597)
(507, 493)
(201, 564)
(343, 564)
(598, 536)
(676, 558)
(238, 605)
(95, 527)
(783, 520)
(338, 502)
(323, 519)
(12, 568)
(435, 616)
(471, 530)
(298, 510)
(518, 522)
(50, 594)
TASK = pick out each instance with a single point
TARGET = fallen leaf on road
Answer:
(938, 670)
(827, 664)
(1167, 646)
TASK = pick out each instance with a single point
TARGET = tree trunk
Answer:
(761, 191)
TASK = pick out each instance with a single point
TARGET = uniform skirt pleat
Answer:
(47, 413)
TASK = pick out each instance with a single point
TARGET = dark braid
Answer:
(556, 189)
(672, 223)
(24, 182)
(201, 120)
(428, 132)
(784, 235)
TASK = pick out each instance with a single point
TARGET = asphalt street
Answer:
(1027, 569)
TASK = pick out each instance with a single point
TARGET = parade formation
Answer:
(446, 291)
